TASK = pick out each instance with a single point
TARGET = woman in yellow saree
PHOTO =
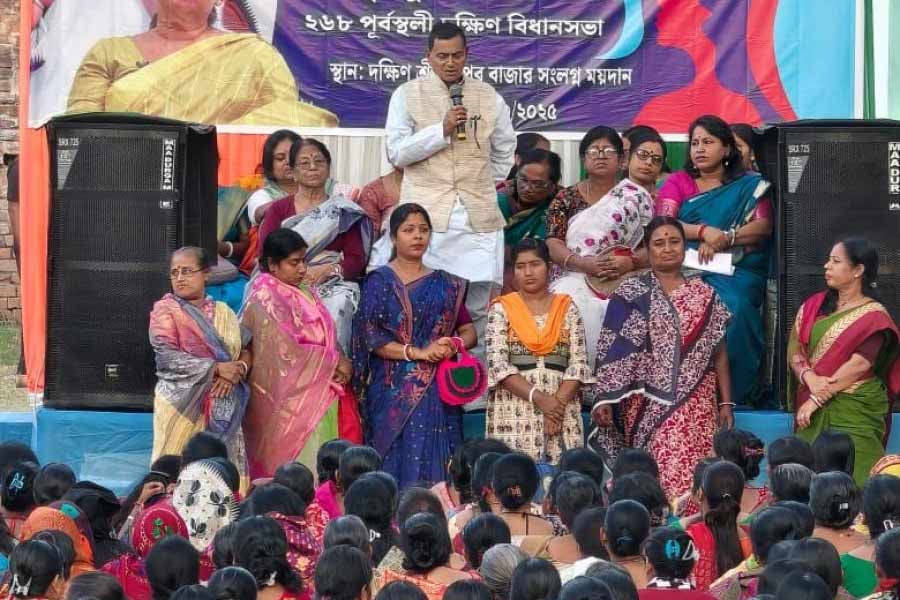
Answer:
(185, 69)
(201, 363)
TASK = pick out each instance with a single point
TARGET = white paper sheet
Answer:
(721, 262)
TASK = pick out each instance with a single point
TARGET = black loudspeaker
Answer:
(126, 191)
(832, 179)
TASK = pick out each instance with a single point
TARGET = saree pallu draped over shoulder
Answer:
(295, 354)
(862, 410)
(655, 365)
(188, 345)
(406, 421)
(232, 78)
(734, 205)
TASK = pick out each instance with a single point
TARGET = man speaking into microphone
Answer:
(452, 147)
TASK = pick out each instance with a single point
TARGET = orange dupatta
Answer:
(522, 322)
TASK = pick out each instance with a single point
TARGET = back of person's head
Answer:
(586, 588)
(389, 483)
(770, 526)
(498, 565)
(791, 481)
(776, 571)
(588, 532)
(723, 487)
(700, 471)
(342, 573)
(298, 478)
(371, 499)
(671, 553)
(223, 546)
(881, 504)
(232, 583)
(642, 488)
(626, 526)
(63, 544)
(400, 590)
(425, 542)
(635, 460)
(834, 450)
(887, 554)
(192, 592)
(584, 461)
(203, 445)
(790, 449)
(781, 550)
(834, 499)
(462, 465)
(328, 459)
(347, 530)
(172, 563)
(34, 565)
(573, 495)
(355, 461)
(483, 478)
(417, 500)
(803, 586)
(482, 533)
(228, 471)
(616, 578)
(742, 448)
(14, 453)
(52, 482)
(515, 480)
(94, 586)
(260, 546)
(467, 589)
(18, 487)
(535, 579)
(822, 558)
(273, 498)
(806, 520)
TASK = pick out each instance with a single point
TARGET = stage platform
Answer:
(113, 448)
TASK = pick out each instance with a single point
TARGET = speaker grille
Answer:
(122, 202)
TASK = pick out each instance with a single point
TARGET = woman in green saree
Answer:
(843, 354)
(524, 201)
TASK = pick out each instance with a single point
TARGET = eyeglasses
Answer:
(605, 152)
(183, 272)
(306, 165)
(646, 155)
(537, 184)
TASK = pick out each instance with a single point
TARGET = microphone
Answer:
(456, 97)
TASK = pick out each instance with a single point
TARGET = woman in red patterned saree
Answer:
(662, 368)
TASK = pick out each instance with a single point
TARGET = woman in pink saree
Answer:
(299, 370)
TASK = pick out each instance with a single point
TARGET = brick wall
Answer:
(9, 144)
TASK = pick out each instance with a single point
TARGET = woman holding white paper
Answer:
(662, 378)
(725, 209)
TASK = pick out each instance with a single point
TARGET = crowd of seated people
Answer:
(191, 528)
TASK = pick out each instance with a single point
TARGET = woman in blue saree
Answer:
(400, 332)
(724, 208)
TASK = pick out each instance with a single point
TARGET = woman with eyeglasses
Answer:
(524, 200)
(595, 229)
(337, 232)
(202, 362)
(645, 158)
(725, 209)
